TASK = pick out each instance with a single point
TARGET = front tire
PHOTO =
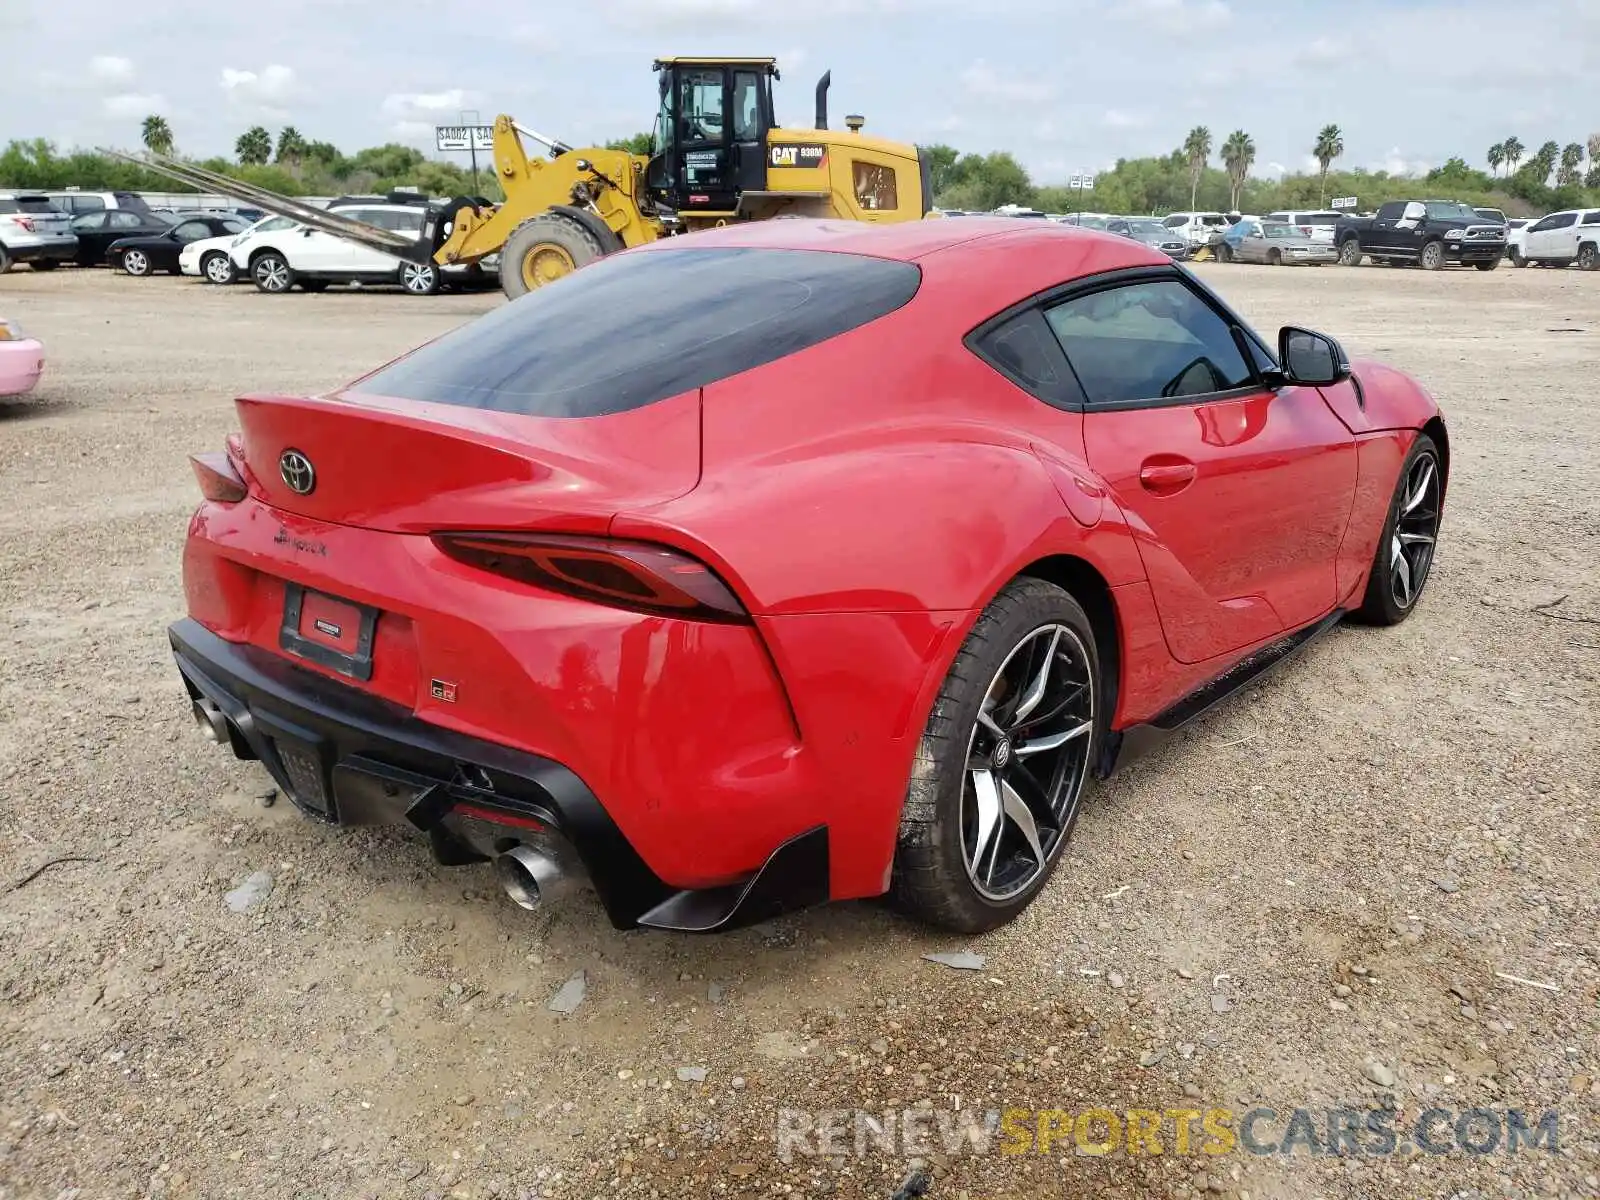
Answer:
(218, 268)
(1487, 266)
(136, 263)
(1588, 257)
(271, 274)
(1001, 766)
(1432, 257)
(1404, 557)
(544, 249)
(1225, 253)
(1274, 258)
(420, 279)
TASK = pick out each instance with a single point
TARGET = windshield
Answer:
(1441, 211)
(1150, 229)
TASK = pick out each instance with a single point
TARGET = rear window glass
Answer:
(630, 330)
(37, 204)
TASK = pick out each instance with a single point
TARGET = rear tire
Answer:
(45, 264)
(5, 261)
(544, 249)
(1410, 533)
(983, 782)
(1350, 253)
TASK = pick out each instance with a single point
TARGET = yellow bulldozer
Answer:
(718, 155)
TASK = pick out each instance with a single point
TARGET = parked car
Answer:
(145, 253)
(278, 259)
(1493, 215)
(21, 360)
(1275, 243)
(1197, 228)
(212, 258)
(77, 203)
(535, 589)
(1150, 232)
(1086, 220)
(1516, 231)
(1428, 233)
(96, 231)
(1319, 226)
(34, 231)
(1562, 239)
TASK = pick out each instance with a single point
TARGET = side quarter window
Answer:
(1022, 348)
(1148, 341)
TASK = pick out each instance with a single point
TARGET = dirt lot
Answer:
(1372, 881)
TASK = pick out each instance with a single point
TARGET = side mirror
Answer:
(1311, 359)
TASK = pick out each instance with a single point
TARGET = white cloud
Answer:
(1274, 170)
(415, 106)
(1397, 163)
(1116, 118)
(985, 83)
(420, 133)
(111, 68)
(268, 87)
(1173, 18)
(133, 104)
(1321, 52)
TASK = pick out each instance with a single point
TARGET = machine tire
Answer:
(931, 878)
(1432, 256)
(44, 264)
(1350, 252)
(569, 246)
(1588, 257)
(218, 268)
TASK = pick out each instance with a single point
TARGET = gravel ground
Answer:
(1371, 881)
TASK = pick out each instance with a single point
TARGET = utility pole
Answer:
(469, 118)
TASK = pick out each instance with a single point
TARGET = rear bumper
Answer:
(42, 249)
(345, 756)
(21, 364)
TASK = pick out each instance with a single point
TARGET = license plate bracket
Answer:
(317, 626)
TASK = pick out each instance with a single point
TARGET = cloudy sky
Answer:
(1067, 85)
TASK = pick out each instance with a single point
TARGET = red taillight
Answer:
(219, 478)
(633, 575)
(25, 222)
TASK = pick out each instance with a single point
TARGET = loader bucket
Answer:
(418, 250)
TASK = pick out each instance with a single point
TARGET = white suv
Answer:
(1318, 226)
(278, 256)
(1197, 228)
(1561, 239)
(32, 230)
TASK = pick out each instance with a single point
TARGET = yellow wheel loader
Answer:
(718, 155)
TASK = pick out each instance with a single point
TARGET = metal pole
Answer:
(472, 143)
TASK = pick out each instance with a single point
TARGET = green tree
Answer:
(1497, 156)
(1513, 150)
(1329, 146)
(1196, 151)
(1544, 161)
(1238, 155)
(941, 160)
(156, 134)
(1570, 171)
(983, 182)
(291, 146)
(637, 143)
(254, 146)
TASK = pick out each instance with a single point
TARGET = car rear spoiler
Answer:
(386, 240)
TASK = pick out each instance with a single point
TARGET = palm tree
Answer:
(291, 146)
(1571, 169)
(1496, 156)
(1514, 150)
(1196, 151)
(1238, 153)
(157, 134)
(1330, 145)
(1592, 179)
(254, 145)
(1545, 160)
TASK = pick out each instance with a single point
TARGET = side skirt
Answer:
(1124, 746)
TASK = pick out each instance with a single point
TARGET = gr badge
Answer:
(809, 155)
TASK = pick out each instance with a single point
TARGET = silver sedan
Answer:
(1279, 245)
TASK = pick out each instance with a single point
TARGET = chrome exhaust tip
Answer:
(208, 718)
(529, 876)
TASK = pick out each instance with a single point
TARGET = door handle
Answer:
(1166, 477)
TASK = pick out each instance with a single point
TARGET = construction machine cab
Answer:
(710, 140)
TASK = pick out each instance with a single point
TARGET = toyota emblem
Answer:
(297, 472)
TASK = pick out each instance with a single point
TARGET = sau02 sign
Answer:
(1342, 202)
(810, 155)
(464, 137)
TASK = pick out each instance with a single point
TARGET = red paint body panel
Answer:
(864, 499)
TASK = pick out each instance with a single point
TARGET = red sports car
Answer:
(793, 561)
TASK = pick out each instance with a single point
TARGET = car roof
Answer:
(904, 241)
